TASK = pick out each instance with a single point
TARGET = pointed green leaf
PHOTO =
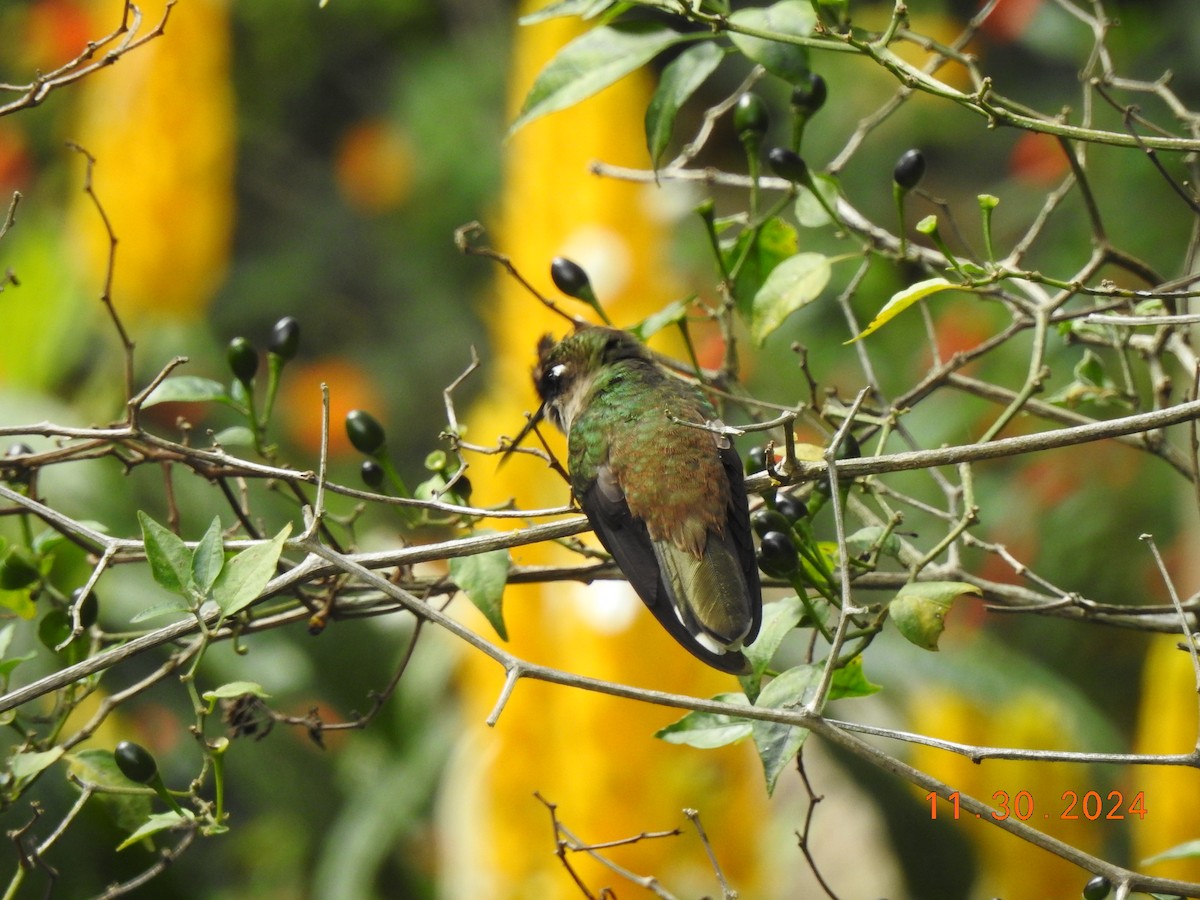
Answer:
(482, 578)
(670, 314)
(778, 743)
(152, 826)
(851, 681)
(791, 18)
(98, 767)
(236, 689)
(208, 558)
(585, 9)
(1186, 850)
(234, 436)
(20, 602)
(170, 560)
(794, 283)
(778, 620)
(244, 577)
(902, 300)
(7, 663)
(176, 607)
(919, 609)
(187, 389)
(868, 538)
(755, 253)
(26, 766)
(705, 730)
(680, 79)
(591, 63)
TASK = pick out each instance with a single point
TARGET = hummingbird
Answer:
(660, 484)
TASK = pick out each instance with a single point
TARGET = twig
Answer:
(110, 267)
(464, 236)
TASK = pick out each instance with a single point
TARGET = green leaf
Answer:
(902, 300)
(159, 609)
(1186, 850)
(591, 63)
(244, 577)
(706, 730)
(54, 630)
(153, 825)
(919, 609)
(7, 664)
(482, 578)
(680, 79)
(187, 389)
(671, 314)
(234, 436)
(778, 743)
(1092, 384)
(865, 540)
(208, 558)
(755, 253)
(585, 9)
(24, 767)
(851, 681)
(170, 560)
(794, 283)
(20, 602)
(234, 689)
(98, 767)
(809, 211)
(791, 18)
(779, 618)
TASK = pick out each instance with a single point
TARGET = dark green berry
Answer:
(462, 489)
(756, 460)
(90, 608)
(909, 169)
(848, 448)
(777, 554)
(791, 508)
(365, 432)
(1097, 889)
(135, 762)
(764, 521)
(285, 338)
(810, 97)
(17, 474)
(243, 360)
(570, 278)
(750, 117)
(788, 164)
(372, 473)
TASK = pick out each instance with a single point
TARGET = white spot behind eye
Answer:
(557, 371)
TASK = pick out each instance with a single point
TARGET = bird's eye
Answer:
(552, 380)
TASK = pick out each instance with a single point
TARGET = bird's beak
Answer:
(538, 415)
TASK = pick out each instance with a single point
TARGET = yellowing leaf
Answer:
(794, 283)
(902, 300)
(919, 609)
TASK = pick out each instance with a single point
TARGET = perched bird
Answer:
(660, 484)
